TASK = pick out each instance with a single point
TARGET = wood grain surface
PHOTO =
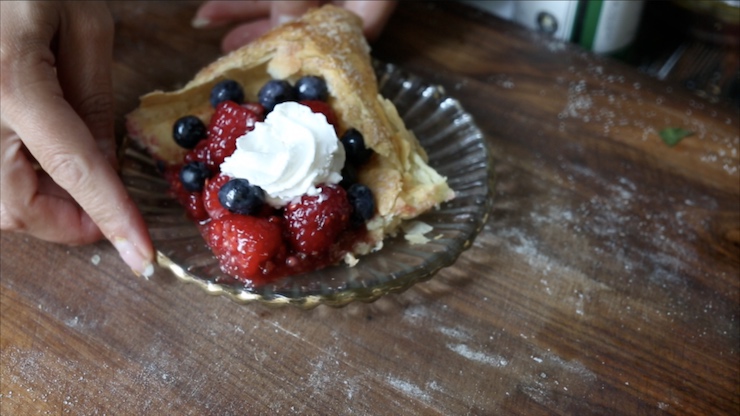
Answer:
(605, 282)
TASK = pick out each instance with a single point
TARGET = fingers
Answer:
(244, 34)
(374, 14)
(84, 61)
(286, 11)
(36, 110)
(34, 204)
(258, 20)
(218, 12)
(66, 150)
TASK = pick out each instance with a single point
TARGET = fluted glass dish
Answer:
(456, 149)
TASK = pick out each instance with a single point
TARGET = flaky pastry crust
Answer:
(326, 42)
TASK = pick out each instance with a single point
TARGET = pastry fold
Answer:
(326, 42)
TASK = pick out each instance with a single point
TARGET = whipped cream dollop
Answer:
(288, 154)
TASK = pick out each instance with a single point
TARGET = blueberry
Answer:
(354, 147)
(349, 176)
(241, 197)
(275, 92)
(188, 131)
(161, 166)
(363, 203)
(311, 88)
(193, 176)
(227, 90)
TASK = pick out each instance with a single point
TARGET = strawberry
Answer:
(246, 246)
(200, 153)
(210, 196)
(194, 207)
(229, 122)
(192, 201)
(256, 108)
(172, 176)
(314, 223)
(321, 107)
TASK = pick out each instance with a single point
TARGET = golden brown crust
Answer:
(326, 42)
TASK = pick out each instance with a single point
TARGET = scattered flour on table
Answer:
(320, 377)
(551, 374)
(455, 333)
(655, 248)
(72, 322)
(416, 313)
(501, 80)
(408, 389)
(625, 109)
(489, 359)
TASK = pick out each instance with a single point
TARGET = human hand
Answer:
(57, 176)
(259, 16)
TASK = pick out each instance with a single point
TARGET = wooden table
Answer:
(605, 282)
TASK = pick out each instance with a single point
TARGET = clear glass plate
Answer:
(456, 148)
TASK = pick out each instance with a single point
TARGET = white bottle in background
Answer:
(602, 26)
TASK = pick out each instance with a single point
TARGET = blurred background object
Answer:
(692, 42)
(602, 26)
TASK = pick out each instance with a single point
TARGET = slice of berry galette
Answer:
(285, 154)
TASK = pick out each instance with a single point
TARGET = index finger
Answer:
(66, 150)
(219, 12)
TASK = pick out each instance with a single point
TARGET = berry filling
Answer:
(193, 176)
(227, 90)
(241, 197)
(321, 107)
(229, 122)
(314, 223)
(311, 88)
(255, 240)
(211, 200)
(274, 93)
(189, 131)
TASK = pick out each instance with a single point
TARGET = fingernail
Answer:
(200, 22)
(140, 265)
